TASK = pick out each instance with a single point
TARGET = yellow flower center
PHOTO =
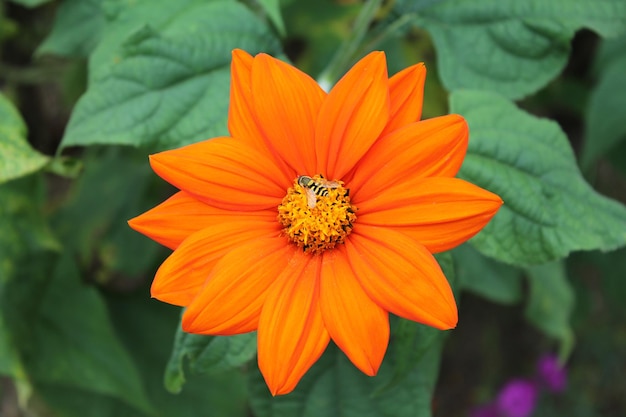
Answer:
(316, 214)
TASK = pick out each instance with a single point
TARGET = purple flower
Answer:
(552, 375)
(517, 398)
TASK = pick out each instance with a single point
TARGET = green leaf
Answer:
(605, 127)
(510, 46)
(549, 210)
(333, 387)
(162, 79)
(486, 277)
(551, 302)
(24, 229)
(97, 233)
(25, 242)
(146, 327)
(17, 158)
(272, 8)
(206, 355)
(77, 28)
(10, 361)
(74, 343)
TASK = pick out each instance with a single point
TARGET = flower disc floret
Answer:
(317, 222)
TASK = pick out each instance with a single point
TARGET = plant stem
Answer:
(345, 54)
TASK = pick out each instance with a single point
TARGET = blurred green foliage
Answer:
(79, 335)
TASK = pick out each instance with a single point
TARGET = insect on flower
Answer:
(314, 188)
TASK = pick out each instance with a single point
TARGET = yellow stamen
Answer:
(323, 226)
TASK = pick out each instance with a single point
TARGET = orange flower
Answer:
(318, 215)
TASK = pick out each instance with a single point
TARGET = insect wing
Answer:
(311, 198)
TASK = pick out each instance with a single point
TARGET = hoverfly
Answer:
(316, 188)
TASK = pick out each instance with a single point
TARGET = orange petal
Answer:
(401, 276)
(356, 324)
(231, 300)
(181, 276)
(286, 103)
(440, 213)
(291, 335)
(352, 116)
(224, 173)
(242, 123)
(406, 93)
(431, 148)
(182, 215)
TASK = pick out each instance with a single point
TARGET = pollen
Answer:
(317, 216)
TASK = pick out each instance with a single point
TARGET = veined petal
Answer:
(242, 122)
(352, 116)
(440, 213)
(182, 215)
(406, 93)
(181, 276)
(356, 324)
(401, 276)
(231, 300)
(430, 148)
(291, 334)
(224, 173)
(286, 103)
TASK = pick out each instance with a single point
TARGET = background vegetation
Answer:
(89, 88)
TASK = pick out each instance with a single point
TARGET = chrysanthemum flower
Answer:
(317, 217)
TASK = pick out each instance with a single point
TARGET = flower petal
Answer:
(291, 335)
(286, 103)
(440, 213)
(356, 324)
(406, 93)
(181, 276)
(232, 298)
(431, 148)
(352, 116)
(241, 121)
(224, 173)
(182, 215)
(401, 276)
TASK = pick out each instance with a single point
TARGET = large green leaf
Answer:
(551, 302)
(97, 233)
(549, 210)
(74, 344)
(333, 387)
(24, 235)
(17, 158)
(146, 326)
(206, 355)
(160, 76)
(605, 127)
(486, 277)
(77, 28)
(510, 46)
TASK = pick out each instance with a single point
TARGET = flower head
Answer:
(317, 217)
(517, 398)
